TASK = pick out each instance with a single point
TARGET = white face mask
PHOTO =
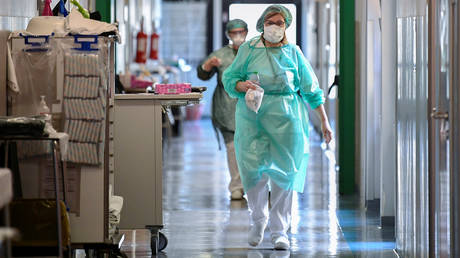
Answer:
(238, 40)
(273, 33)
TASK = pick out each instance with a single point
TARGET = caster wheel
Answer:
(154, 244)
(117, 254)
(163, 241)
(159, 243)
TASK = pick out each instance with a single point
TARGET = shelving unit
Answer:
(90, 225)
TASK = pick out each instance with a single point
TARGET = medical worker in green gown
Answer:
(223, 107)
(272, 145)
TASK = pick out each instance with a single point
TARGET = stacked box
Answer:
(173, 88)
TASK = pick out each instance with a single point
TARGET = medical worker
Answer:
(223, 107)
(272, 144)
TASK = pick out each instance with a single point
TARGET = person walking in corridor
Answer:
(272, 145)
(223, 107)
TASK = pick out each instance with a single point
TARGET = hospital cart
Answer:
(90, 225)
(138, 159)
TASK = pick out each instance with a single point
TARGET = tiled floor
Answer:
(201, 221)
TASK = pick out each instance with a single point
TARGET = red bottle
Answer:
(154, 39)
(141, 52)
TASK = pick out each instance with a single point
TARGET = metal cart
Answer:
(90, 227)
(56, 158)
(138, 159)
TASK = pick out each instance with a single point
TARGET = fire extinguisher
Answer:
(154, 39)
(141, 53)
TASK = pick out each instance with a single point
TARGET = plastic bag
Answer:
(22, 125)
(254, 98)
(33, 58)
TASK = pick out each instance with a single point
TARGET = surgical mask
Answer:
(273, 33)
(238, 40)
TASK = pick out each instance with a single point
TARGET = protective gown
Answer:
(223, 107)
(275, 140)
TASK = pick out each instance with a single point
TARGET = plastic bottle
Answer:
(43, 109)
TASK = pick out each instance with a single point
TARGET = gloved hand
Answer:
(211, 63)
(246, 85)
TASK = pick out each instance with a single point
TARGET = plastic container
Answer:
(194, 112)
(178, 88)
(43, 109)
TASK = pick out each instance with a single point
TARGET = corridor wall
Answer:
(412, 130)
(388, 112)
(376, 106)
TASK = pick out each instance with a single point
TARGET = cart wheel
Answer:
(163, 241)
(154, 244)
(117, 254)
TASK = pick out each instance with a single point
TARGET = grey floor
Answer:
(201, 221)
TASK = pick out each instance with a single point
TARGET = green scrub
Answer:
(223, 107)
(274, 141)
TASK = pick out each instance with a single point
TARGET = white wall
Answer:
(377, 77)
(15, 14)
(388, 135)
(361, 32)
(217, 24)
(374, 99)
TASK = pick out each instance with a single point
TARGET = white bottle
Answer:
(43, 109)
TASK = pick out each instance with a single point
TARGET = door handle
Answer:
(336, 83)
(444, 127)
(439, 114)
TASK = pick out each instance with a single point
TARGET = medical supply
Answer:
(43, 109)
(236, 24)
(276, 8)
(173, 88)
(84, 102)
(254, 98)
(273, 33)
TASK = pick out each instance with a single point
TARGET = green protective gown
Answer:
(223, 106)
(275, 140)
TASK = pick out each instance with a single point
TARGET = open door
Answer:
(444, 128)
(327, 64)
(454, 130)
(439, 99)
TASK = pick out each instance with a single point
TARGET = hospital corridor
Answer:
(202, 221)
(229, 128)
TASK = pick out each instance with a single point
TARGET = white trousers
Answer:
(279, 216)
(235, 180)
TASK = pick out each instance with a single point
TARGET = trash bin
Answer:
(194, 112)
